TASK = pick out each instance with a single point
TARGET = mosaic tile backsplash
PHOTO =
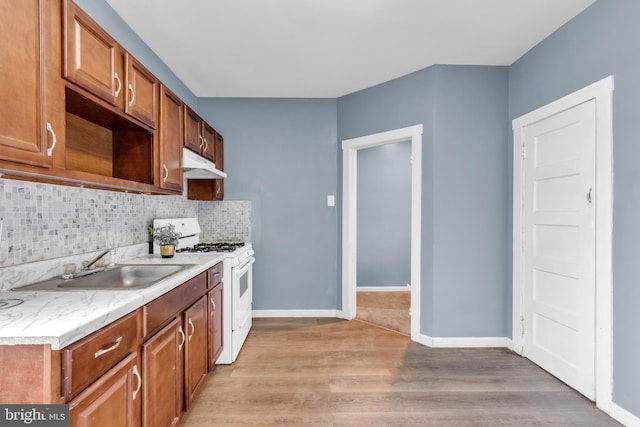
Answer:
(45, 221)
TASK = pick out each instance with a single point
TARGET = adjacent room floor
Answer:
(389, 309)
(331, 372)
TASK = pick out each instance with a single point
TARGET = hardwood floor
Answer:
(387, 309)
(331, 372)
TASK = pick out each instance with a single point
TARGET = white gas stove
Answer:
(237, 280)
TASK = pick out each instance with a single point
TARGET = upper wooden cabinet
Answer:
(142, 92)
(219, 183)
(78, 109)
(171, 127)
(209, 189)
(96, 63)
(198, 135)
(92, 59)
(31, 90)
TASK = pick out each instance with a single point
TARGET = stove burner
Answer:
(212, 247)
(9, 302)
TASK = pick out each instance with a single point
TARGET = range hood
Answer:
(197, 167)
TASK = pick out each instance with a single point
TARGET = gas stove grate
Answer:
(212, 247)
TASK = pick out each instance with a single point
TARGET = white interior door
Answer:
(559, 217)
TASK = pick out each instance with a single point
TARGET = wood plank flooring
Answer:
(331, 372)
(389, 309)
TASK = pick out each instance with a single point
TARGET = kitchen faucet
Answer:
(84, 270)
(87, 264)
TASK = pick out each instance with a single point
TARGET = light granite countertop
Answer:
(60, 318)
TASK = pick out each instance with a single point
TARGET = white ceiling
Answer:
(330, 48)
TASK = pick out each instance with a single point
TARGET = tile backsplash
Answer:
(45, 221)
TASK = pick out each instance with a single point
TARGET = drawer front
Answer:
(215, 275)
(86, 360)
(162, 309)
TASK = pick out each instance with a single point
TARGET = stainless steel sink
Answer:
(120, 277)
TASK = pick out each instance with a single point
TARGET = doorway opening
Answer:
(350, 149)
(384, 236)
(542, 271)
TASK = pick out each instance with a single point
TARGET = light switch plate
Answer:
(331, 200)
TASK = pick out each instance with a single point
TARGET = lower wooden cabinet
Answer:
(215, 324)
(143, 369)
(114, 400)
(162, 373)
(196, 364)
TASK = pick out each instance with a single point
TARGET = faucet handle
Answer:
(84, 265)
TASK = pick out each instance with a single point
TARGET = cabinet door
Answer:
(142, 92)
(113, 400)
(219, 148)
(171, 131)
(91, 56)
(215, 324)
(32, 107)
(162, 375)
(195, 358)
(192, 136)
(208, 142)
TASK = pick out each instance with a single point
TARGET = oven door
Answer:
(242, 292)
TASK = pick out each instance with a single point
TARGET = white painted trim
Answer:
(464, 342)
(295, 313)
(601, 92)
(349, 216)
(510, 344)
(623, 416)
(382, 288)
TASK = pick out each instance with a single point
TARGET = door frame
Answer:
(350, 149)
(601, 92)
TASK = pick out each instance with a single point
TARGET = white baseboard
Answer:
(383, 288)
(623, 416)
(463, 342)
(295, 313)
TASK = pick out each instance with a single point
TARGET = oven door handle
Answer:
(244, 267)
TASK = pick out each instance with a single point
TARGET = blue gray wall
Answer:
(464, 213)
(384, 215)
(281, 155)
(601, 41)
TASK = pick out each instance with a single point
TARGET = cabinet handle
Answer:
(201, 142)
(107, 350)
(183, 337)
(206, 144)
(133, 95)
(214, 305)
(137, 374)
(166, 173)
(53, 139)
(193, 329)
(119, 85)
(217, 187)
